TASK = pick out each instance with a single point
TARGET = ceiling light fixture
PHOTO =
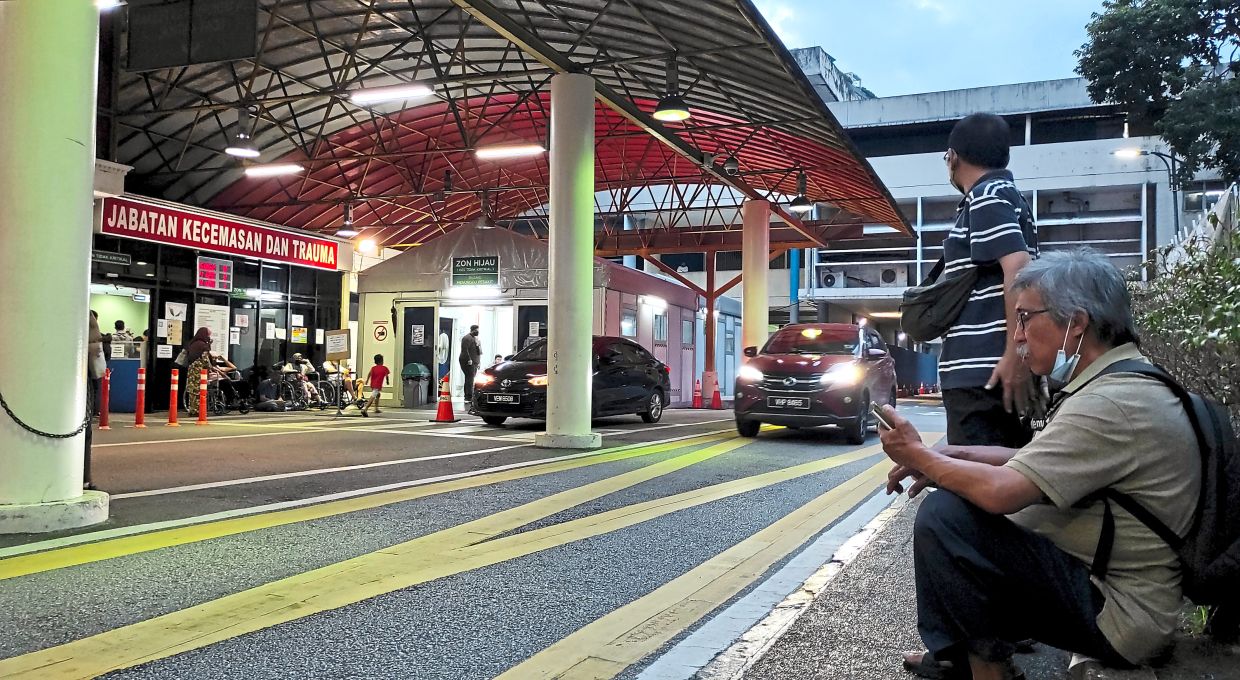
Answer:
(243, 144)
(374, 95)
(800, 204)
(368, 246)
(273, 170)
(346, 229)
(508, 151)
(671, 108)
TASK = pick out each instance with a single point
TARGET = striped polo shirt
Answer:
(993, 220)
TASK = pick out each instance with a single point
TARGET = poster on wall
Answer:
(214, 318)
(418, 335)
(300, 336)
(163, 352)
(234, 336)
(174, 332)
(161, 328)
(533, 329)
(318, 336)
(270, 332)
(281, 334)
(241, 320)
(175, 311)
(297, 320)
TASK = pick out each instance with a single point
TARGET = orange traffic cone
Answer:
(444, 414)
(716, 401)
(697, 394)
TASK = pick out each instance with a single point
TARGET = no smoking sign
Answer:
(381, 332)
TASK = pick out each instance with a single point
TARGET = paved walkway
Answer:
(865, 617)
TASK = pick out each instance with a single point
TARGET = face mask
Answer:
(1065, 366)
(474, 333)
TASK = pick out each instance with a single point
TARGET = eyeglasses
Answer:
(1022, 316)
(945, 154)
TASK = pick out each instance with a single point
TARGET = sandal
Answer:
(924, 664)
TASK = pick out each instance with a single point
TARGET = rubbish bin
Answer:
(414, 378)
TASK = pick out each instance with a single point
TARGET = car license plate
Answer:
(503, 398)
(787, 402)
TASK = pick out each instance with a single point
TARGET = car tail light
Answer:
(667, 369)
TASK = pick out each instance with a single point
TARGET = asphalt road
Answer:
(297, 545)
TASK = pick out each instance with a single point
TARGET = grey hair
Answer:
(1082, 280)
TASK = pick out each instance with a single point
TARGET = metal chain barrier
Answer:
(81, 428)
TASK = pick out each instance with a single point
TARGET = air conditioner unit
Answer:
(832, 279)
(893, 277)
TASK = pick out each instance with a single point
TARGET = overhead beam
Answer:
(503, 24)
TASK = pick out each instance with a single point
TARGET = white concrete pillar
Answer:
(755, 259)
(570, 295)
(47, 150)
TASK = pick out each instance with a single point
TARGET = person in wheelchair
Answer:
(338, 374)
(302, 366)
(230, 383)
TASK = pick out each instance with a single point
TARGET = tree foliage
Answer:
(1175, 63)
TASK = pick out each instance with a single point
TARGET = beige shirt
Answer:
(1129, 432)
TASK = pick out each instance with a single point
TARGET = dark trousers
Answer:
(976, 417)
(92, 398)
(469, 370)
(983, 582)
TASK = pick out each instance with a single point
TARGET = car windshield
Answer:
(812, 341)
(535, 352)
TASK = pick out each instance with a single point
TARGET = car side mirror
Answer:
(751, 351)
(508, 358)
(874, 354)
(606, 359)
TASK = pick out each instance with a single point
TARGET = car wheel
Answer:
(748, 428)
(494, 421)
(856, 431)
(654, 408)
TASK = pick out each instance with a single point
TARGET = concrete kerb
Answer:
(40, 518)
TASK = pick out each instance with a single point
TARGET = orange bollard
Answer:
(139, 406)
(697, 394)
(202, 398)
(105, 391)
(444, 413)
(172, 400)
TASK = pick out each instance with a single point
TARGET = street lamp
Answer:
(1169, 162)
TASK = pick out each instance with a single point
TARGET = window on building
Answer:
(660, 328)
(728, 260)
(1202, 196)
(686, 332)
(628, 323)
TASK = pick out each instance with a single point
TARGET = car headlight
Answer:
(483, 379)
(842, 375)
(748, 373)
(539, 381)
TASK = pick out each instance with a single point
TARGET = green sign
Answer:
(475, 271)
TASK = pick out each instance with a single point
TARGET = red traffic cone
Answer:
(444, 414)
(716, 401)
(697, 394)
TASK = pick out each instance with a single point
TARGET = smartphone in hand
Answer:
(877, 409)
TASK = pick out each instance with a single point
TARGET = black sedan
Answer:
(627, 380)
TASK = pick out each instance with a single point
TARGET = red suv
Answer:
(815, 374)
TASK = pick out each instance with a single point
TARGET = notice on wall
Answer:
(281, 334)
(118, 350)
(319, 336)
(533, 329)
(300, 336)
(337, 345)
(270, 332)
(161, 328)
(175, 311)
(234, 336)
(163, 352)
(417, 335)
(215, 318)
(241, 320)
(174, 332)
(297, 320)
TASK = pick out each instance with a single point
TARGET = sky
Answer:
(912, 46)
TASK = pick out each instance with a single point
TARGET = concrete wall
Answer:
(1068, 93)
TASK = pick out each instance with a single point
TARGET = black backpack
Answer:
(1210, 551)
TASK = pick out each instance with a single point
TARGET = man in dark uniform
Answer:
(471, 357)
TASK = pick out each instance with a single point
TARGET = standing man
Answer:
(985, 384)
(986, 387)
(471, 357)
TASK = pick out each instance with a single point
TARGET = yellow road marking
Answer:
(156, 540)
(605, 647)
(444, 553)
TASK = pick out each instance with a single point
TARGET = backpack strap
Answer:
(1106, 538)
(934, 272)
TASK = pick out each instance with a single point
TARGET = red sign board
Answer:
(163, 224)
